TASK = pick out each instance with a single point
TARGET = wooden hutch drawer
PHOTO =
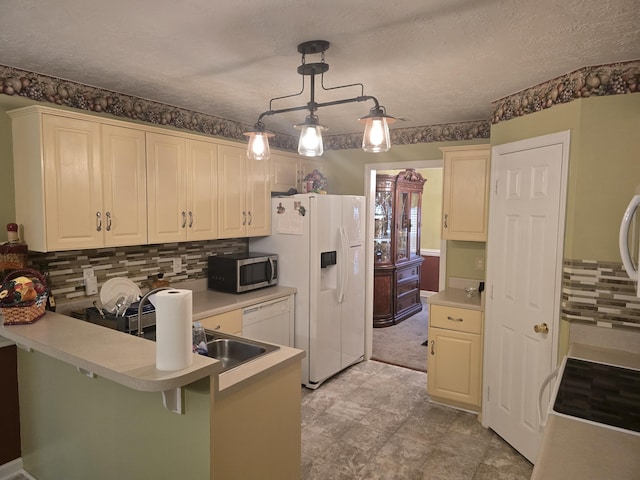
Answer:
(408, 285)
(404, 273)
(408, 299)
(451, 318)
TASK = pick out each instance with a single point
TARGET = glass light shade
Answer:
(258, 147)
(310, 143)
(376, 135)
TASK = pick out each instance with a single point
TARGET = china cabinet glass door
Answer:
(383, 219)
(402, 231)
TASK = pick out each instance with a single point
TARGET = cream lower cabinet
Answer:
(465, 193)
(182, 198)
(454, 358)
(245, 194)
(228, 322)
(79, 183)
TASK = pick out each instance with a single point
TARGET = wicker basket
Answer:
(20, 313)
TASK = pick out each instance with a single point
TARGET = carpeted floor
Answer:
(402, 344)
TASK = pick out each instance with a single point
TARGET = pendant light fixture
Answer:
(376, 136)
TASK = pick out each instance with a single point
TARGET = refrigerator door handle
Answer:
(343, 272)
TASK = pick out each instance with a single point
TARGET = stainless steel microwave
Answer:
(242, 272)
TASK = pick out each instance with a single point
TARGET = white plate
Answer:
(115, 288)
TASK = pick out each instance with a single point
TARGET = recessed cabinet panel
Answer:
(465, 193)
(73, 187)
(166, 168)
(124, 186)
(202, 190)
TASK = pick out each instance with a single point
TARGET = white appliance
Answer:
(625, 241)
(270, 321)
(319, 240)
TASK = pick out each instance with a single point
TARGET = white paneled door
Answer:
(524, 265)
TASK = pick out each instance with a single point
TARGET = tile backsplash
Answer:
(141, 264)
(600, 294)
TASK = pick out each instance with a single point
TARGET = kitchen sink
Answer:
(233, 351)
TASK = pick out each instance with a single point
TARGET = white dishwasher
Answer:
(270, 321)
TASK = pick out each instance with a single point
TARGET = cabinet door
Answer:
(465, 193)
(166, 188)
(124, 181)
(285, 172)
(308, 165)
(454, 366)
(73, 184)
(228, 322)
(258, 198)
(232, 202)
(202, 190)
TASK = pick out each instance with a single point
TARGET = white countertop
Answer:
(129, 360)
(457, 297)
(576, 449)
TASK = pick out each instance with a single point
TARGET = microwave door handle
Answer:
(623, 238)
(270, 269)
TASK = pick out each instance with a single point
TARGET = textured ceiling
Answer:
(428, 61)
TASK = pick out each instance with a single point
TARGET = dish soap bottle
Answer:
(160, 281)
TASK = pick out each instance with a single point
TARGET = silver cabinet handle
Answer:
(446, 218)
(250, 218)
(190, 219)
(98, 221)
(459, 319)
(244, 218)
(433, 344)
(108, 214)
(184, 219)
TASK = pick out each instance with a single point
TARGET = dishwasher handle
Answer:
(543, 422)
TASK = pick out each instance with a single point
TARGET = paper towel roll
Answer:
(173, 329)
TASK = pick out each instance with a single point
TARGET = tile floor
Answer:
(374, 421)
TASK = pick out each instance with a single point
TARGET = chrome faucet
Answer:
(142, 300)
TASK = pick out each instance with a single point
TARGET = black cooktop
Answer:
(600, 393)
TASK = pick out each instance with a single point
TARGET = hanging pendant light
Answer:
(376, 134)
(258, 148)
(376, 138)
(310, 143)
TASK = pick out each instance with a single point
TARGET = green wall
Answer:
(78, 428)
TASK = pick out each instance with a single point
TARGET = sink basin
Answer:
(233, 351)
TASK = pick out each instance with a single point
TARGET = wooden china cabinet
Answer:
(397, 258)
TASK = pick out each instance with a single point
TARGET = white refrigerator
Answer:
(319, 240)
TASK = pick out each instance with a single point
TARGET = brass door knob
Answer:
(541, 328)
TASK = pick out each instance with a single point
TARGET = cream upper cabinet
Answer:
(288, 170)
(454, 358)
(166, 188)
(244, 201)
(90, 177)
(285, 172)
(182, 188)
(465, 193)
(124, 186)
(202, 190)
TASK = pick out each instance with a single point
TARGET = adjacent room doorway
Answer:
(370, 182)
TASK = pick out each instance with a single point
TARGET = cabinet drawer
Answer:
(411, 284)
(451, 318)
(228, 322)
(408, 299)
(404, 273)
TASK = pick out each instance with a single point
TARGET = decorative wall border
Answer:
(611, 79)
(599, 293)
(601, 80)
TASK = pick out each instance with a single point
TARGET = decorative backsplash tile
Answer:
(599, 293)
(140, 264)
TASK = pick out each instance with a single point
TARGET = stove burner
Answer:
(600, 393)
